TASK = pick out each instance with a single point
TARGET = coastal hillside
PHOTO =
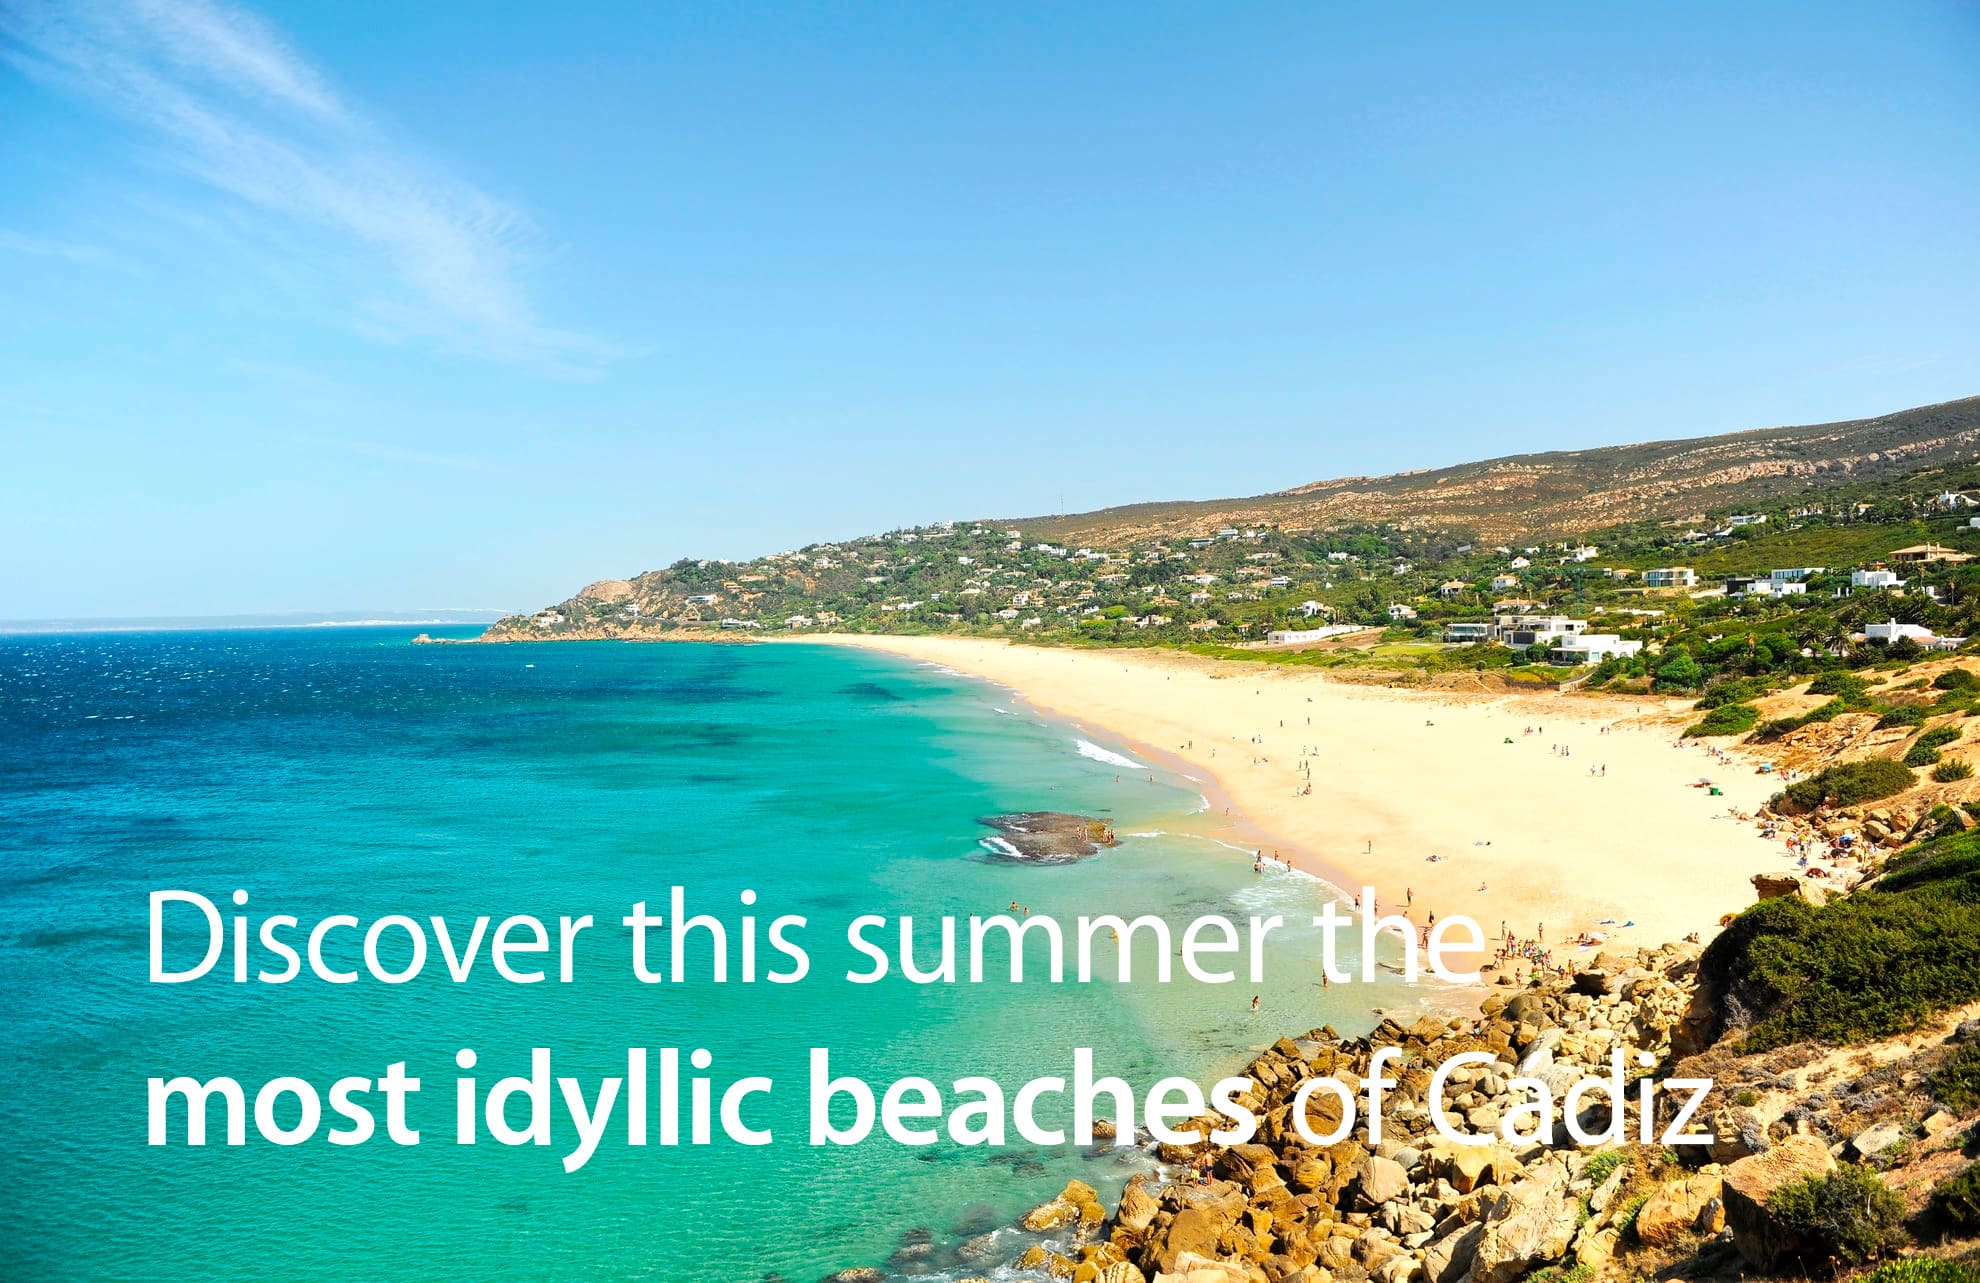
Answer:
(1639, 534)
(1572, 491)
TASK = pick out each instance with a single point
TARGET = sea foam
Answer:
(1087, 748)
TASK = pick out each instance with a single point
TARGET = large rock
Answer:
(1190, 1267)
(1530, 1224)
(1872, 1141)
(1680, 1209)
(1449, 1258)
(1381, 1180)
(1749, 1183)
(1194, 1232)
(1138, 1208)
(1467, 1167)
(1776, 886)
(1120, 1272)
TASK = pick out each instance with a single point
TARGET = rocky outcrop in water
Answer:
(1048, 837)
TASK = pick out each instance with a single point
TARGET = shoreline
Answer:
(1555, 842)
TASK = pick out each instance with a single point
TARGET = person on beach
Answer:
(1254, 1004)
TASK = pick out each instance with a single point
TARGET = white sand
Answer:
(1399, 775)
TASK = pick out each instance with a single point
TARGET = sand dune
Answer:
(1528, 836)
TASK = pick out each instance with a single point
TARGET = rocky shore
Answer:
(1047, 837)
(1419, 1208)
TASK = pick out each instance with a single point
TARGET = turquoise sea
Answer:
(343, 770)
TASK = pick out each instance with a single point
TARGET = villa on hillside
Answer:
(1670, 577)
(1283, 636)
(1875, 577)
(1468, 633)
(1926, 553)
(1401, 612)
(1592, 648)
(1538, 630)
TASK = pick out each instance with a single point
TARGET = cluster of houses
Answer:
(1567, 640)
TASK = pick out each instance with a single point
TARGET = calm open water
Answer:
(346, 771)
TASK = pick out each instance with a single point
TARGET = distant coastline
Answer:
(234, 623)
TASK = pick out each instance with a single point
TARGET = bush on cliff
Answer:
(1726, 719)
(1848, 783)
(1848, 1215)
(1923, 1269)
(1956, 679)
(1938, 737)
(1903, 715)
(1952, 770)
(1867, 965)
(1956, 1083)
(1956, 1203)
(1837, 682)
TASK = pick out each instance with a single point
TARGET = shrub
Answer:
(1848, 1215)
(1732, 691)
(1848, 783)
(1837, 682)
(1956, 679)
(1938, 736)
(1952, 770)
(1956, 1083)
(1603, 1165)
(1903, 715)
(1923, 1269)
(1956, 1203)
(1828, 712)
(1679, 672)
(1920, 755)
(1868, 965)
(1727, 719)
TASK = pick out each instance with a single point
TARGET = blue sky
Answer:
(312, 306)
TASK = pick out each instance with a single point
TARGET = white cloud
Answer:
(44, 247)
(234, 106)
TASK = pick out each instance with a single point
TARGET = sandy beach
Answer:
(1527, 836)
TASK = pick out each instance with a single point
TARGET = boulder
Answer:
(1137, 1209)
(1380, 1181)
(1530, 1224)
(1191, 1267)
(1120, 1272)
(1685, 1207)
(1776, 886)
(1749, 1183)
(1449, 1258)
(1194, 1232)
(1471, 1166)
(1872, 1141)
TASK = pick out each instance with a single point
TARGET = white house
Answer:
(1504, 583)
(1520, 563)
(1592, 648)
(1670, 577)
(1282, 636)
(1874, 579)
(1538, 630)
(1893, 631)
(1312, 608)
(1401, 612)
